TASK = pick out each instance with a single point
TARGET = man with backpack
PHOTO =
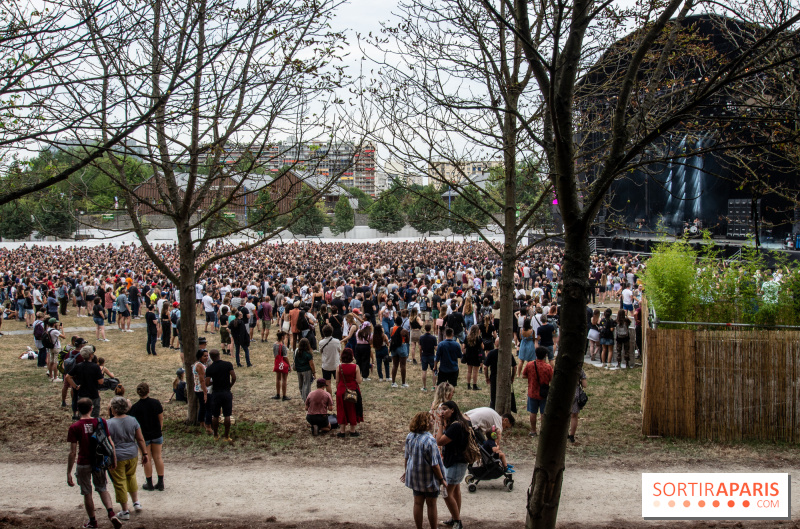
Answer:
(85, 449)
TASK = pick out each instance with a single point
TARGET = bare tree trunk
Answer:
(545, 492)
(188, 330)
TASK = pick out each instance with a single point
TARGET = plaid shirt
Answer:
(422, 455)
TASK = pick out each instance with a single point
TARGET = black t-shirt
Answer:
(545, 334)
(146, 411)
(368, 306)
(220, 374)
(150, 318)
(86, 375)
(491, 362)
(436, 302)
(456, 322)
(427, 344)
(97, 310)
(453, 451)
(335, 321)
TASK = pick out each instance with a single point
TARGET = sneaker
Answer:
(367, 379)
(533, 434)
(404, 386)
(216, 437)
(63, 404)
(341, 434)
(475, 387)
(381, 380)
(510, 470)
(355, 434)
(124, 515)
(449, 522)
(137, 506)
(458, 525)
(276, 397)
(571, 438)
(148, 486)
(90, 524)
(227, 440)
(394, 385)
(414, 361)
(57, 379)
(424, 389)
(115, 522)
(287, 398)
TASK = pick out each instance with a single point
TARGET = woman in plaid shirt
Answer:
(423, 472)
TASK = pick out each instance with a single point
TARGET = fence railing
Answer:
(592, 246)
(722, 385)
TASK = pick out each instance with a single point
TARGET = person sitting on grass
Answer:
(179, 386)
(490, 445)
(318, 404)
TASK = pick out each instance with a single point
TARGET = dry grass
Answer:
(609, 432)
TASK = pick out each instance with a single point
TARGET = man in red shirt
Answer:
(79, 438)
(538, 372)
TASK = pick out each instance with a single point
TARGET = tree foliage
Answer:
(426, 211)
(343, 219)
(15, 221)
(54, 215)
(308, 217)
(385, 214)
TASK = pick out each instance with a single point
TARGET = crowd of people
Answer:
(369, 312)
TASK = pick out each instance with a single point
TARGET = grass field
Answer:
(609, 433)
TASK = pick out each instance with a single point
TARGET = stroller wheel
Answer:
(469, 478)
(472, 487)
(509, 484)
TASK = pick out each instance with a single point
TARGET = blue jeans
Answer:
(469, 321)
(246, 355)
(135, 307)
(21, 309)
(387, 325)
(41, 360)
(112, 316)
(203, 408)
(383, 363)
(151, 343)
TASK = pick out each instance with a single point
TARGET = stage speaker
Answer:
(740, 217)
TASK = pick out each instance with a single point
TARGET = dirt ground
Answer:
(277, 494)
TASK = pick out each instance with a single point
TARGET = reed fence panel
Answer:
(721, 385)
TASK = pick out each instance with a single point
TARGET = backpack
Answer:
(47, 340)
(174, 317)
(100, 447)
(62, 356)
(38, 330)
(472, 453)
(68, 364)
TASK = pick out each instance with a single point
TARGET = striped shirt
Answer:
(422, 455)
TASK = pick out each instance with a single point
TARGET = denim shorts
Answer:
(606, 341)
(536, 405)
(99, 321)
(427, 361)
(426, 493)
(455, 474)
(159, 441)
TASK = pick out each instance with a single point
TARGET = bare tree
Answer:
(453, 90)
(48, 76)
(257, 71)
(613, 82)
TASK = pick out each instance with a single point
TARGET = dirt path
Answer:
(371, 495)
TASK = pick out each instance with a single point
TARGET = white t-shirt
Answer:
(485, 418)
(329, 349)
(208, 303)
(627, 297)
(198, 291)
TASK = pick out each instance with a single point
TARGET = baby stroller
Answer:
(488, 468)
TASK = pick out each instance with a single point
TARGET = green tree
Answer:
(54, 216)
(15, 221)
(364, 200)
(463, 207)
(427, 213)
(343, 220)
(308, 221)
(385, 215)
(263, 216)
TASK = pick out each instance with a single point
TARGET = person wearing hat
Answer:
(318, 404)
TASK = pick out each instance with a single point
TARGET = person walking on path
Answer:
(150, 414)
(423, 468)
(126, 433)
(80, 451)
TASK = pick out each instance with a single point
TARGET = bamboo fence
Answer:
(721, 385)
